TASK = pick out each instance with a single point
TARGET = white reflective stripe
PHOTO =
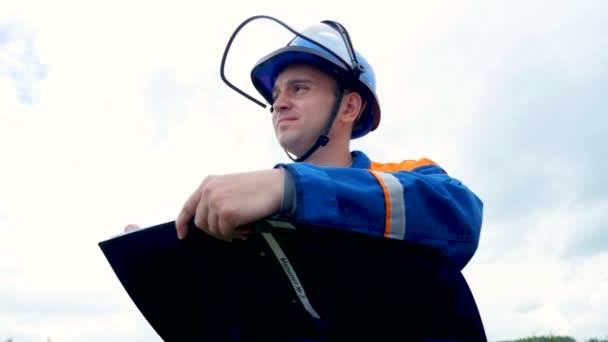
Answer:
(291, 273)
(394, 189)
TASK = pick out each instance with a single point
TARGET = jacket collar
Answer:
(360, 160)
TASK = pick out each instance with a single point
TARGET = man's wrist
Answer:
(288, 201)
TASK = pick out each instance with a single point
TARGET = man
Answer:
(323, 95)
(315, 95)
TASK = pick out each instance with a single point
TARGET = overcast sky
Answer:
(112, 112)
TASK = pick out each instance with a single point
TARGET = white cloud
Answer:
(525, 281)
(19, 62)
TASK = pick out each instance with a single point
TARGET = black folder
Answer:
(362, 287)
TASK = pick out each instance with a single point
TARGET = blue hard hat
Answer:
(323, 55)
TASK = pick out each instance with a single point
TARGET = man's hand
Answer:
(222, 205)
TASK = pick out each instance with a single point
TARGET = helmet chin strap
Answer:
(323, 138)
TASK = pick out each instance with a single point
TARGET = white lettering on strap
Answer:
(290, 272)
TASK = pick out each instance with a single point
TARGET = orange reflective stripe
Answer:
(406, 165)
(395, 221)
(394, 226)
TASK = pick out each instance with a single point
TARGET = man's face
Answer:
(303, 98)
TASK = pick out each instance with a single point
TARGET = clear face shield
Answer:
(328, 45)
(347, 58)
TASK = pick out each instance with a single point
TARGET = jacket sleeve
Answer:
(423, 205)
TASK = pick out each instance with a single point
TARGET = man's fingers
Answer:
(187, 213)
(213, 222)
(225, 228)
(181, 223)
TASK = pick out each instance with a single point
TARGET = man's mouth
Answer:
(285, 120)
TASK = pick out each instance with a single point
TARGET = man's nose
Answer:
(281, 102)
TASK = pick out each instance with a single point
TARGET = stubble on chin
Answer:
(288, 141)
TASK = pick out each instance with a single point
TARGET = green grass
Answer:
(553, 339)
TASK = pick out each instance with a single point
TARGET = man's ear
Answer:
(351, 108)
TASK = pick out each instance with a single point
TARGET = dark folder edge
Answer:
(165, 276)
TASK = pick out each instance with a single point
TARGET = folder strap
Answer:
(290, 272)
